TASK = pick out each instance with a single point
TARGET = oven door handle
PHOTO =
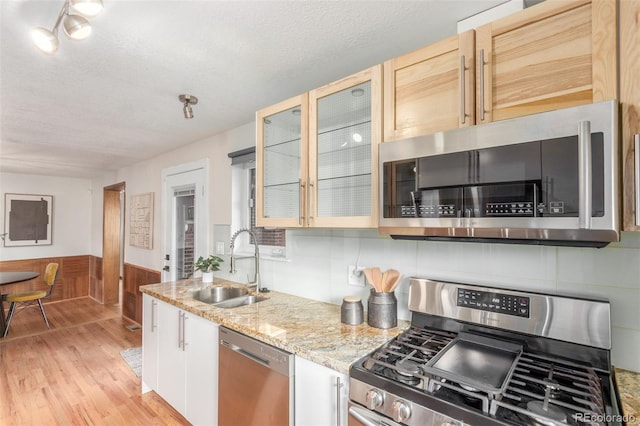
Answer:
(368, 418)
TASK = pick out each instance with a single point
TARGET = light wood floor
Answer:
(73, 374)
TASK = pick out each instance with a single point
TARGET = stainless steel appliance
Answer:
(255, 382)
(476, 355)
(549, 178)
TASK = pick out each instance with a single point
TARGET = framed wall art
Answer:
(27, 220)
(141, 221)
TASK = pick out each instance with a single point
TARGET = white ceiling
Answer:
(112, 100)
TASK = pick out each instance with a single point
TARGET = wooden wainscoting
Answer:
(72, 281)
(134, 277)
(95, 279)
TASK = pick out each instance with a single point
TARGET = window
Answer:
(272, 241)
(267, 237)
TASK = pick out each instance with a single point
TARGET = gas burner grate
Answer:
(551, 392)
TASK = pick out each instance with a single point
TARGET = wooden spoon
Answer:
(383, 286)
(393, 278)
(368, 273)
(377, 278)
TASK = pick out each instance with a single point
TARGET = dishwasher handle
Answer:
(246, 353)
(264, 354)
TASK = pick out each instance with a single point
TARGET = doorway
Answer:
(185, 219)
(112, 243)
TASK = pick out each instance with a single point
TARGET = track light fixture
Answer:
(76, 27)
(188, 100)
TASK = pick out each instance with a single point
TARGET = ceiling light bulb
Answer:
(45, 40)
(88, 8)
(188, 112)
(357, 92)
(76, 27)
(357, 137)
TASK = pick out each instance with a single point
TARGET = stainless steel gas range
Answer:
(478, 355)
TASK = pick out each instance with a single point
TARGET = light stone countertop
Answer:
(629, 389)
(313, 330)
(305, 327)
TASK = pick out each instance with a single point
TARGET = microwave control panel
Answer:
(509, 209)
(494, 302)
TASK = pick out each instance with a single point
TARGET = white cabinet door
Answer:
(171, 356)
(321, 395)
(201, 347)
(149, 343)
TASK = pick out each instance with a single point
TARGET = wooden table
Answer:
(12, 277)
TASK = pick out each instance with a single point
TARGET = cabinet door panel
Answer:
(317, 395)
(281, 152)
(430, 89)
(345, 130)
(150, 333)
(550, 56)
(201, 340)
(171, 357)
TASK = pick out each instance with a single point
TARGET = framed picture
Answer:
(141, 221)
(27, 220)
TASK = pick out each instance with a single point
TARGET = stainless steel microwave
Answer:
(548, 178)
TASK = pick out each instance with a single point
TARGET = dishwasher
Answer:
(255, 382)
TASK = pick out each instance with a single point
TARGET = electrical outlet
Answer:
(219, 247)
(356, 278)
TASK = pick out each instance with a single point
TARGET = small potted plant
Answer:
(207, 266)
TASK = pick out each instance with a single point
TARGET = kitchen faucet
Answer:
(256, 281)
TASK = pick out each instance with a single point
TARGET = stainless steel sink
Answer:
(226, 297)
(240, 301)
(219, 294)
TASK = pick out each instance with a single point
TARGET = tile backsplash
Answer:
(317, 264)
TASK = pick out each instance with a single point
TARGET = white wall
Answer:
(72, 203)
(319, 260)
(146, 177)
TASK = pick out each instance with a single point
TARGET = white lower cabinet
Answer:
(185, 360)
(321, 395)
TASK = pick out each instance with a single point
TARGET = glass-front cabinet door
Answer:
(345, 129)
(281, 153)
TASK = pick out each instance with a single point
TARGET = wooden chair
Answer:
(30, 298)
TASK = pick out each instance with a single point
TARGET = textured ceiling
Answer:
(112, 100)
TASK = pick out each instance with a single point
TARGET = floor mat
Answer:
(133, 356)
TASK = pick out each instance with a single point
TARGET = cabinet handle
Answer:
(637, 158)
(584, 175)
(153, 315)
(300, 201)
(184, 339)
(463, 112)
(180, 330)
(338, 387)
(309, 197)
(482, 85)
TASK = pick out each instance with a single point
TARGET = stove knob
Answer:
(401, 410)
(374, 398)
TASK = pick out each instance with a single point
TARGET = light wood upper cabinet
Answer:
(282, 163)
(345, 129)
(317, 156)
(554, 55)
(630, 110)
(430, 89)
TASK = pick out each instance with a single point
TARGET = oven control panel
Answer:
(494, 302)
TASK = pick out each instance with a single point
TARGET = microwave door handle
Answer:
(584, 175)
